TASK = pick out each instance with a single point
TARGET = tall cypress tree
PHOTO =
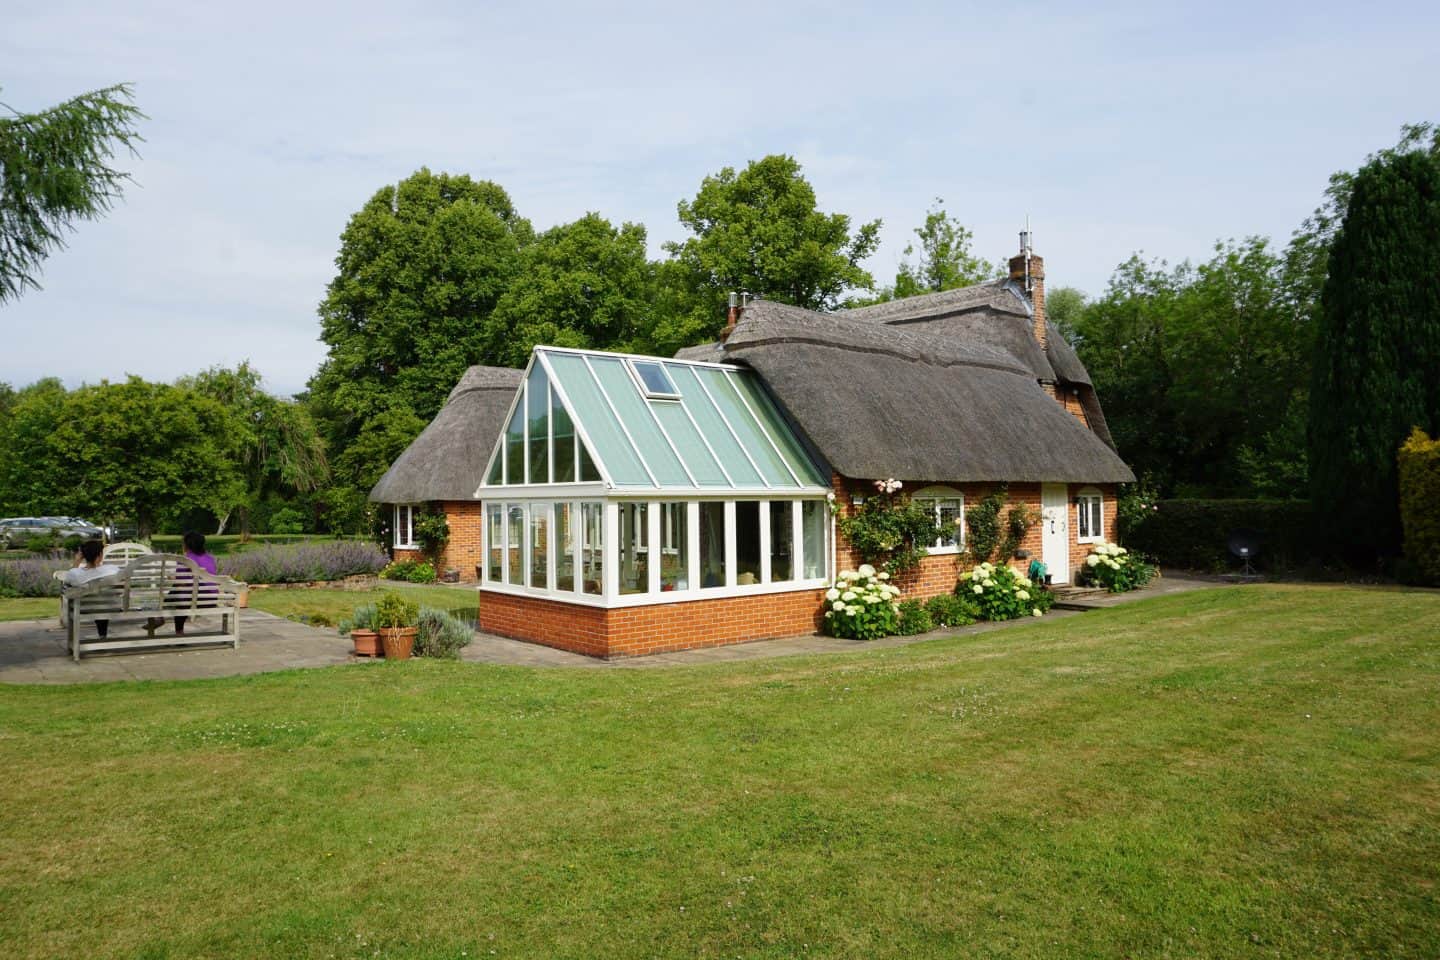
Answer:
(1377, 361)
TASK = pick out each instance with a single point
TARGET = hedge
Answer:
(1195, 534)
(1420, 503)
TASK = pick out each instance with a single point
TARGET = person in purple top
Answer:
(195, 553)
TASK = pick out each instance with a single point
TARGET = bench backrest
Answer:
(123, 553)
(163, 582)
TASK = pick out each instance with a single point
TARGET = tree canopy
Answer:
(758, 230)
(945, 261)
(55, 170)
(1378, 346)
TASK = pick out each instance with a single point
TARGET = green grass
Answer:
(329, 607)
(1249, 772)
(29, 608)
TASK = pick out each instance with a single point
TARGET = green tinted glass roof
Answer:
(710, 429)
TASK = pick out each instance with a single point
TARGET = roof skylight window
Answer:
(654, 380)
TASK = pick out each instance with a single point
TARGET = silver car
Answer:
(14, 530)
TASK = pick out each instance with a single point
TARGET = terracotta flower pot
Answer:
(399, 642)
(242, 596)
(367, 643)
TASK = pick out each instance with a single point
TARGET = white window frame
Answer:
(934, 496)
(1083, 500)
(405, 527)
(610, 596)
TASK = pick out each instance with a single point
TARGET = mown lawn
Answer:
(329, 607)
(1249, 772)
(29, 608)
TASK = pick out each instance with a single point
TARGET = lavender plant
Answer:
(329, 560)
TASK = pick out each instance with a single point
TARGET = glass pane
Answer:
(782, 541)
(537, 404)
(588, 406)
(592, 549)
(1097, 527)
(779, 430)
(497, 468)
(686, 438)
(635, 413)
(948, 513)
(564, 430)
(564, 547)
(674, 546)
(515, 446)
(727, 448)
(634, 552)
(745, 427)
(747, 542)
(588, 472)
(515, 573)
(539, 545)
(815, 530)
(495, 531)
(656, 380)
(712, 544)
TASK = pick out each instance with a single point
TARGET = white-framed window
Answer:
(1089, 516)
(405, 526)
(947, 505)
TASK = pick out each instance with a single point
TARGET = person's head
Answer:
(194, 542)
(91, 551)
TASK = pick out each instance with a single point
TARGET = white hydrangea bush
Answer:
(1116, 569)
(999, 593)
(862, 605)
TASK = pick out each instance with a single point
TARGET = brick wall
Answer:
(654, 628)
(467, 528)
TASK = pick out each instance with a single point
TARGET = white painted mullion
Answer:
(549, 433)
(692, 545)
(730, 574)
(764, 541)
(610, 543)
(720, 412)
(653, 551)
(525, 433)
(623, 429)
(797, 540)
(552, 543)
(732, 376)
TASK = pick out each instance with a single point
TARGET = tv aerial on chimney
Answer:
(1025, 250)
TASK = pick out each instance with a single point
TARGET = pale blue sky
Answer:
(1116, 127)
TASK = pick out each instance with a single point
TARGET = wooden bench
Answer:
(157, 585)
(116, 553)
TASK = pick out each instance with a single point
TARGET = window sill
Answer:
(1089, 539)
(664, 596)
(943, 551)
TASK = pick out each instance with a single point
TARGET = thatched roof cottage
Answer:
(620, 505)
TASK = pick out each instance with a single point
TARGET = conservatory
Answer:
(627, 481)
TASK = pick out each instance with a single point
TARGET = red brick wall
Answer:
(654, 628)
(467, 527)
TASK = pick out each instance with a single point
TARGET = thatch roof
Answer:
(447, 460)
(917, 400)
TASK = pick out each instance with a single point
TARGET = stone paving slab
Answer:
(33, 651)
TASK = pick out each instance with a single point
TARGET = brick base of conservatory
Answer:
(654, 628)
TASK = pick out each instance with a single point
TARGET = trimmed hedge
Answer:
(1420, 503)
(1195, 534)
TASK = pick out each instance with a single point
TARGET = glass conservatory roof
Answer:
(645, 423)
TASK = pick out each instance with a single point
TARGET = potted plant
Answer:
(360, 625)
(397, 620)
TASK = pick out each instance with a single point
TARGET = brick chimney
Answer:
(1028, 272)
(738, 303)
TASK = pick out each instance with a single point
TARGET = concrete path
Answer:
(33, 651)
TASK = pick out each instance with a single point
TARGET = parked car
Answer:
(15, 530)
(107, 532)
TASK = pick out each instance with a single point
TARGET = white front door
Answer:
(1055, 533)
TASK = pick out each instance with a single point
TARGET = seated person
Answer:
(88, 566)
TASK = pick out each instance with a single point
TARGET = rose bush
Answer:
(1116, 569)
(861, 605)
(999, 593)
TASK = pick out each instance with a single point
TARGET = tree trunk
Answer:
(220, 530)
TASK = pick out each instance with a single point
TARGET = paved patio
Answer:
(33, 651)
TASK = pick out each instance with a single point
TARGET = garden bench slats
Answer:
(159, 585)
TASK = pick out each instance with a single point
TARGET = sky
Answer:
(1115, 128)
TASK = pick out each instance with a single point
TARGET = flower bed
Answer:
(33, 576)
(861, 605)
(1116, 569)
(999, 593)
(302, 563)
